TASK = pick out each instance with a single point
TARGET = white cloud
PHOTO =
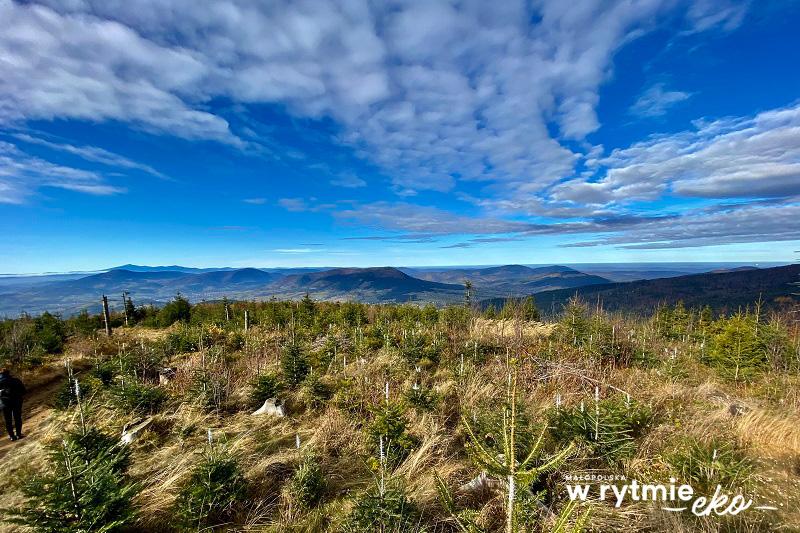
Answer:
(22, 174)
(91, 153)
(748, 157)
(418, 220)
(732, 224)
(295, 205)
(348, 180)
(412, 94)
(294, 250)
(656, 101)
(79, 66)
(436, 95)
(726, 15)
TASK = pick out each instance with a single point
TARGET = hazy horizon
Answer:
(694, 264)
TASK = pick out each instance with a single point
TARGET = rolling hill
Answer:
(157, 286)
(722, 291)
(382, 284)
(511, 280)
(243, 278)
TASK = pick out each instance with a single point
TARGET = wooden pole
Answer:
(106, 316)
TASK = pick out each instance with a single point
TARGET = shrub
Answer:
(84, 323)
(478, 351)
(209, 389)
(489, 429)
(263, 387)
(412, 347)
(419, 349)
(738, 352)
(388, 510)
(594, 335)
(210, 495)
(178, 310)
(183, 340)
(65, 397)
(103, 371)
(778, 347)
(234, 341)
(139, 397)
(522, 309)
(26, 340)
(374, 336)
(617, 428)
(455, 317)
(294, 364)
(349, 397)
(389, 426)
(574, 327)
(83, 489)
(94, 444)
(307, 483)
(50, 333)
(422, 398)
(704, 464)
(352, 314)
(315, 391)
(673, 322)
(512, 451)
(213, 335)
(140, 360)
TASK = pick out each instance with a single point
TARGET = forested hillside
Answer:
(725, 291)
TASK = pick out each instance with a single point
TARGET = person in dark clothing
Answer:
(11, 393)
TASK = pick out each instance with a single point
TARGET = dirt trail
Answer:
(36, 407)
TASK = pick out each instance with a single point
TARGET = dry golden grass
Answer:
(509, 329)
(694, 403)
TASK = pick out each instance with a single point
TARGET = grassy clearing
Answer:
(386, 405)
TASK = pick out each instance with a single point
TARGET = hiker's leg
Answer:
(18, 418)
(9, 425)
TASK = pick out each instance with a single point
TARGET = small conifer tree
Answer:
(85, 488)
(294, 364)
(737, 351)
(211, 493)
(513, 466)
(529, 310)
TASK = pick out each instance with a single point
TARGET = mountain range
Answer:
(156, 285)
(553, 285)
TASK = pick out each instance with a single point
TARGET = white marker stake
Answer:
(597, 413)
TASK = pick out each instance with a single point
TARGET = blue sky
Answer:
(404, 133)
